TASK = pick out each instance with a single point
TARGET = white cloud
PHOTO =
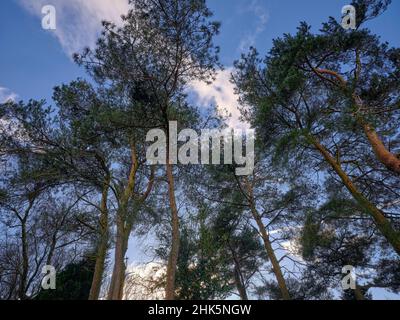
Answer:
(6, 95)
(144, 281)
(220, 93)
(262, 16)
(78, 22)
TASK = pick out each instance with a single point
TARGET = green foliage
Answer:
(369, 9)
(140, 80)
(286, 145)
(202, 270)
(309, 236)
(3, 195)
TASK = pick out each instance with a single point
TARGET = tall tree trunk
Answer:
(175, 236)
(121, 280)
(381, 222)
(23, 281)
(239, 279)
(123, 232)
(52, 249)
(276, 268)
(25, 262)
(173, 256)
(118, 275)
(102, 246)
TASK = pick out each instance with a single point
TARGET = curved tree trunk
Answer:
(102, 246)
(388, 159)
(381, 222)
(391, 161)
(276, 268)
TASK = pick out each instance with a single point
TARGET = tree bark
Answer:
(276, 268)
(118, 275)
(381, 222)
(387, 158)
(239, 281)
(123, 232)
(391, 161)
(25, 262)
(175, 234)
(102, 246)
(173, 256)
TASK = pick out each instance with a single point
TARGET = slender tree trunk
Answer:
(276, 268)
(123, 232)
(121, 280)
(52, 249)
(239, 280)
(240, 286)
(381, 222)
(25, 262)
(102, 246)
(173, 256)
(175, 237)
(118, 275)
(23, 281)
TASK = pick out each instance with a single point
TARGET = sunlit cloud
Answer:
(221, 93)
(143, 281)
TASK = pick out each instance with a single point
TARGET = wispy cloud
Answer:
(262, 17)
(7, 95)
(222, 94)
(79, 24)
(78, 21)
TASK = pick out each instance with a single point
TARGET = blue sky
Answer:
(33, 61)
